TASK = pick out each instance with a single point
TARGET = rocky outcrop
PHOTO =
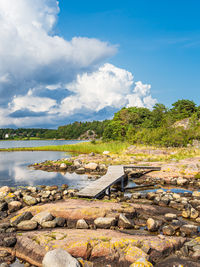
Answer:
(100, 247)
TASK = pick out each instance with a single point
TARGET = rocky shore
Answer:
(153, 228)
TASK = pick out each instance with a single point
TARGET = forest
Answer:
(170, 127)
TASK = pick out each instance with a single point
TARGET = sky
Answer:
(64, 61)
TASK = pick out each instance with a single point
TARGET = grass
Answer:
(119, 149)
(84, 148)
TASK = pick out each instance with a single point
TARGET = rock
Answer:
(81, 224)
(21, 217)
(3, 206)
(28, 200)
(194, 213)
(92, 166)
(164, 201)
(14, 206)
(4, 225)
(152, 225)
(63, 166)
(106, 152)
(170, 216)
(32, 189)
(4, 265)
(136, 195)
(49, 224)
(160, 191)
(51, 187)
(151, 195)
(4, 253)
(196, 194)
(102, 167)
(141, 262)
(77, 163)
(181, 181)
(80, 170)
(176, 224)
(27, 225)
(198, 220)
(46, 194)
(5, 190)
(59, 258)
(176, 196)
(105, 222)
(42, 217)
(168, 230)
(195, 203)
(9, 241)
(92, 154)
(186, 213)
(124, 223)
(60, 221)
(189, 229)
(134, 253)
(196, 255)
(175, 205)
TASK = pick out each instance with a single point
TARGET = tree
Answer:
(183, 109)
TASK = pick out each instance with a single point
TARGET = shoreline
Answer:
(160, 226)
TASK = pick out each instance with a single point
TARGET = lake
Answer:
(35, 143)
(14, 170)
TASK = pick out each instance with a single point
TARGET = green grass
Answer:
(85, 147)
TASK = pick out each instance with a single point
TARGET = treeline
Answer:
(77, 129)
(159, 126)
(176, 126)
(26, 133)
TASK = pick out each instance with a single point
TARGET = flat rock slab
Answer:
(100, 247)
(75, 209)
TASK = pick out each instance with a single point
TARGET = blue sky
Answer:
(159, 41)
(83, 60)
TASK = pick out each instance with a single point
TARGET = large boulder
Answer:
(14, 206)
(124, 223)
(141, 262)
(27, 215)
(42, 217)
(92, 166)
(105, 222)
(181, 181)
(189, 229)
(28, 200)
(5, 189)
(152, 225)
(59, 258)
(81, 224)
(196, 194)
(27, 225)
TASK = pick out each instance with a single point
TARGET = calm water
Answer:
(34, 143)
(14, 169)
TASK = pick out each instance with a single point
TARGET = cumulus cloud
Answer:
(141, 96)
(45, 80)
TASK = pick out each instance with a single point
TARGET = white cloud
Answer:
(141, 96)
(32, 103)
(108, 86)
(30, 55)
(37, 65)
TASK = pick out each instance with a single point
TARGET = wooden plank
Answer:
(113, 175)
(143, 168)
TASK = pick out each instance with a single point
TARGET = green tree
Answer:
(183, 109)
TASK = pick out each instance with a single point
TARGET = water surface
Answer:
(36, 143)
(14, 169)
